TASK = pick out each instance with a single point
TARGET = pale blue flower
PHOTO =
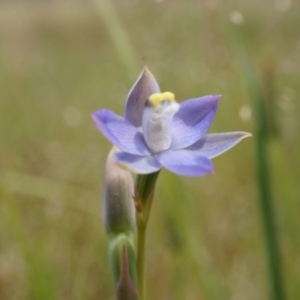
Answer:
(159, 132)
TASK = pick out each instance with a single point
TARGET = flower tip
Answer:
(146, 72)
(100, 117)
(218, 96)
(214, 98)
(145, 69)
(98, 113)
(246, 134)
(93, 115)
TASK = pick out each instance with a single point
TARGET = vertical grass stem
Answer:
(263, 175)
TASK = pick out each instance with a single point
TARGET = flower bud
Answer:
(126, 290)
(118, 205)
(115, 247)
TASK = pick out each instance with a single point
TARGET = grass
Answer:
(58, 64)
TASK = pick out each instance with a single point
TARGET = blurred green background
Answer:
(60, 61)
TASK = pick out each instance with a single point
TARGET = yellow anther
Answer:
(156, 99)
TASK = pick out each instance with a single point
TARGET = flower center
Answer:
(157, 120)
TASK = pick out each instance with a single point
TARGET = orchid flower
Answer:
(159, 132)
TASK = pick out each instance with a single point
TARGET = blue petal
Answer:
(139, 164)
(120, 132)
(144, 87)
(192, 120)
(212, 145)
(185, 163)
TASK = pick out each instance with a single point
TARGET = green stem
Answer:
(145, 185)
(141, 239)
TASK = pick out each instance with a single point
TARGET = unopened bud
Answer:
(126, 290)
(118, 204)
(116, 244)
